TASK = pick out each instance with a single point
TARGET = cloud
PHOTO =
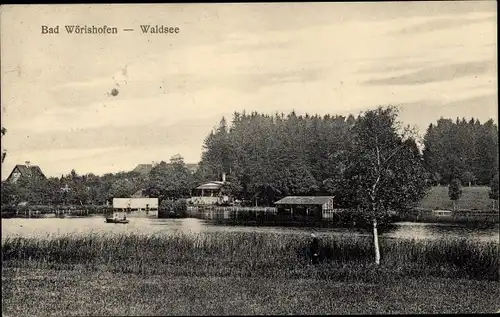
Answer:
(426, 111)
(83, 94)
(394, 66)
(263, 57)
(441, 24)
(187, 131)
(438, 73)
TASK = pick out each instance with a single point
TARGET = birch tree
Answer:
(387, 172)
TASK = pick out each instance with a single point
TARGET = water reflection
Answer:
(56, 226)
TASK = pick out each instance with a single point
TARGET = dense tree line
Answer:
(71, 189)
(369, 162)
(464, 150)
(165, 181)
(267, 157)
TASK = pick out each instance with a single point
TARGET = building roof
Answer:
(211, 185)
(144, 169)
(138, 194)
(192, 166)
(304, 200)
(32, 171)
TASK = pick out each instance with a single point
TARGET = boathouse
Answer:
(319, 207)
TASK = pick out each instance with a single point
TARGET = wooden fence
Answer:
(231, 209)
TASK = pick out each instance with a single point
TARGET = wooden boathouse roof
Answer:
(304, 200)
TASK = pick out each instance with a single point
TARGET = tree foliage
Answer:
(467, 150)
(387, 171)
(269, 157)
(4, 152)
(170, 181)
(494, 191)
(455, 191)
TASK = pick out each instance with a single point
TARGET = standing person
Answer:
(314, 249)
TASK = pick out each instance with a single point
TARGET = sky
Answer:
(431, 59)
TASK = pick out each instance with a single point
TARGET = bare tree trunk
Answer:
(375, 242)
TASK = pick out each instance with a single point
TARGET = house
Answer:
(145, 169)
(210, 193)
(25, 171)
(192, 167)
(320, 207)
(139, 194)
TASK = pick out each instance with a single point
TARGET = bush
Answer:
(173, 209)
(180, 207)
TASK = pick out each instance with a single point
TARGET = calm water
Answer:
(44, 227)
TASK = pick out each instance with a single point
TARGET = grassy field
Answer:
(473, 198)
(244, 273)
(255, 255)
(69, 293)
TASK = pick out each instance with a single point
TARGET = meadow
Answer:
(244, 273)
(27, 292)
(473, 198)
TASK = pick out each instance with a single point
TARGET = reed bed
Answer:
(255, 255)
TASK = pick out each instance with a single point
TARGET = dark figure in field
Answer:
(314, 249)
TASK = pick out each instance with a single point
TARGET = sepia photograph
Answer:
(322, 158)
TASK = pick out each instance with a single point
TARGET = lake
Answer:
(43, 227)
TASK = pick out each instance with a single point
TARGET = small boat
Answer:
(115, 220)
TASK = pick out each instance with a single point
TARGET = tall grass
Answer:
(255, 254)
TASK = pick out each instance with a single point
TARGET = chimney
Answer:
(223, 177)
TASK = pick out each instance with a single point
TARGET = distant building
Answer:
(145, 169)
(25, 171)
(210, 193)
(192, 167)
(139, 194)
(319, 207)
